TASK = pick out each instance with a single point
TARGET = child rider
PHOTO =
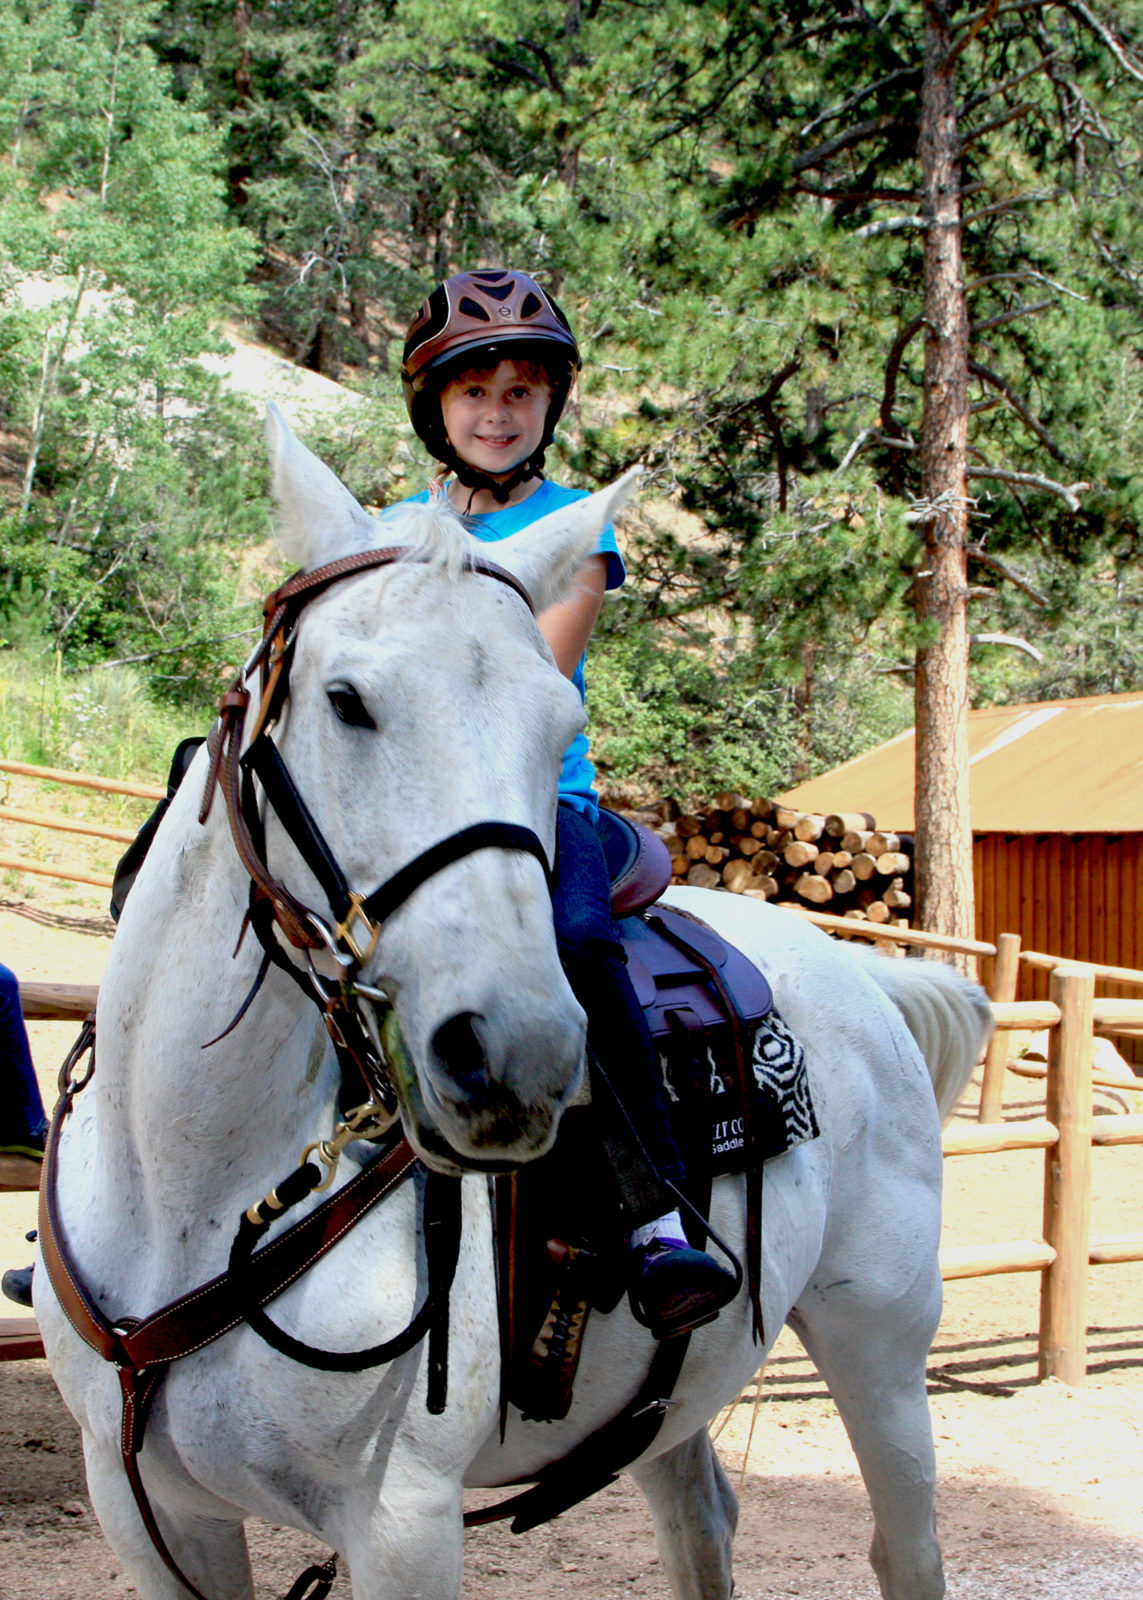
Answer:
(487, 368)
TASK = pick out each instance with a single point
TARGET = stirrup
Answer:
(693, 1289)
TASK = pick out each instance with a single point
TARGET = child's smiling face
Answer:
(495, 417)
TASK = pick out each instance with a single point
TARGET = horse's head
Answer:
(423, 701)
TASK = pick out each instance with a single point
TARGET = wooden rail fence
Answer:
(45, 819)
(1067, 1132)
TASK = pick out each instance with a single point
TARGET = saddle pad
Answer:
(689, 1022)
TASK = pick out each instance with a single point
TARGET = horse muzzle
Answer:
(478, 1098)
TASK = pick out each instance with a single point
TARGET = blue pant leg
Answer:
(627, 1083)
(581, 900)
(22, 1119)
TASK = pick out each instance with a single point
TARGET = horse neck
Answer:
(190, 1117)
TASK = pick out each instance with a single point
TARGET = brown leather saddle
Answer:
(561, 1249)
(638, 862)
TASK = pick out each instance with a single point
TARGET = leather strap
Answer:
(142, 1349)
(196, 1319)
(305, 586)
(442, 1230)
(602, 1456)
(281, 611)
(264, 759)
(599, 1459)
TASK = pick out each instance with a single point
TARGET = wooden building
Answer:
(1057, 818)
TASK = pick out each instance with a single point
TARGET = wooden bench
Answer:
(20, 1339)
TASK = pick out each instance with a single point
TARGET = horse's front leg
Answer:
(209, 1548)
(695, 1513)
(409, 1544)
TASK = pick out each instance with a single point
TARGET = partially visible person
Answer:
(487, 369)
(23, 1125)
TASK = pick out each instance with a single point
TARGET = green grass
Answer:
(101, 720)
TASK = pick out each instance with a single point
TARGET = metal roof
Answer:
(1059, 766)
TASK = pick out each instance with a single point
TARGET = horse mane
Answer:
(435, 535)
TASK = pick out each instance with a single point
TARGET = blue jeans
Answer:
(22, 1119)
(626, 1078)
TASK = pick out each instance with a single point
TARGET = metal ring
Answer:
(327, 936)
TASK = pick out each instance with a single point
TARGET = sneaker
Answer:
(676, 1288)
(17, 1285)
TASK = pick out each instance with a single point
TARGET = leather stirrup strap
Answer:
(602, 1456)
(744, 1075)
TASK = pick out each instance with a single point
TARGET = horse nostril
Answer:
(457, 1046)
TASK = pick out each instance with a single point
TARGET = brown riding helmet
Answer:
(484, 317)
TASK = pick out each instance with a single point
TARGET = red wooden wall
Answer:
(1078, 895)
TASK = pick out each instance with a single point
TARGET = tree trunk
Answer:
(943, 822)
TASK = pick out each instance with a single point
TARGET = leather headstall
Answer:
(357, 917)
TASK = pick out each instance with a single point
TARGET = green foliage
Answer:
(101, 720)
(114, 224)
(683, 716)
(665, 721)
(726, 200)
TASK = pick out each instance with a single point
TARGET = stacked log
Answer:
(841, 862)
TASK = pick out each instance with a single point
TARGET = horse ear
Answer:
(317, 518)
(547, 556)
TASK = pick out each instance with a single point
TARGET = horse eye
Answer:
(349, 707)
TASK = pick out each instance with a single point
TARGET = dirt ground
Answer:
(1039, 1493)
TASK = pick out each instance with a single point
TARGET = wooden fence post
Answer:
(1067, 1179)
(1004, 977)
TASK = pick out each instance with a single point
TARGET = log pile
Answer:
(841, 863)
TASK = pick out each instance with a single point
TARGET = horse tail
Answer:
(949, 1016)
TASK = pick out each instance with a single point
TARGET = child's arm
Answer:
(568, 626)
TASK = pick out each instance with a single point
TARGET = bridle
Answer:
(351, 933)
(357, 917)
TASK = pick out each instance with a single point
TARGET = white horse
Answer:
(423, 701)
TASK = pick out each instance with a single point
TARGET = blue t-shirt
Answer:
(577, 775)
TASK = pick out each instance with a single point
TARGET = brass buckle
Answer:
(342, 930)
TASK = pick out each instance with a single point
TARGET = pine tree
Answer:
(846, 182)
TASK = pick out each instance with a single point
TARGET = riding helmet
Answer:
(477, 318)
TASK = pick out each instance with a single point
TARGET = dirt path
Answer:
(1039, 1496)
